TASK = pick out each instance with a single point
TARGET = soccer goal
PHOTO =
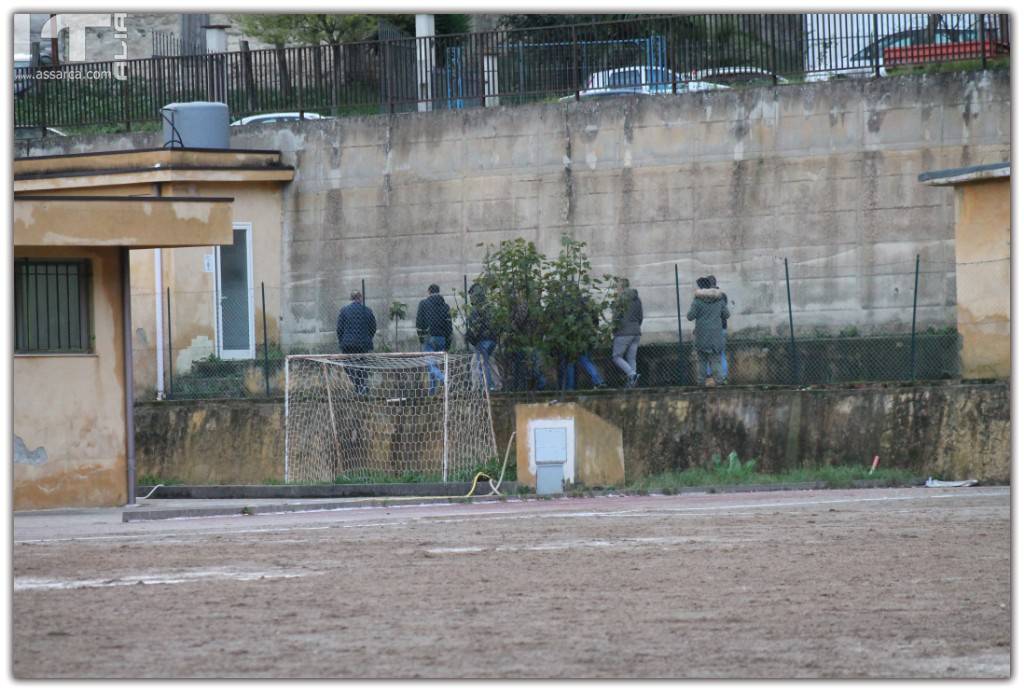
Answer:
(386, 416)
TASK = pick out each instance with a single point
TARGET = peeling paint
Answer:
(36, 457)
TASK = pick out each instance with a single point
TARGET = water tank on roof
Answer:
(197, 124)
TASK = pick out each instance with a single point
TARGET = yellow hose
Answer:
(482, 474)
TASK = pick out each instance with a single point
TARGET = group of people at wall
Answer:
(709, 311)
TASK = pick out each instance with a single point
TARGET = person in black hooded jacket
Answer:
(480, 331)
(434, 326)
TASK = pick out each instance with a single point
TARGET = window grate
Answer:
(52, 306)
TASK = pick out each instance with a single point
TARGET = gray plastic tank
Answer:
(196, 125)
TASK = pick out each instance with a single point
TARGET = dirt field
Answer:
(873, 583)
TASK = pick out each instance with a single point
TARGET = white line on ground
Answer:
(31, 584)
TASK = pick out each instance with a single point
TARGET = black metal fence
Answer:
(652, 55)
(213, 345)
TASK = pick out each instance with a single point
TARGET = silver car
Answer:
(640, 79)
(278, 118)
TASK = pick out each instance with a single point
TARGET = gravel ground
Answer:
(865, 583)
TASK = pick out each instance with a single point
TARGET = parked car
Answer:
(278, 118)
(738, 74)
(639, 79)
(856, 55)
(32, 133)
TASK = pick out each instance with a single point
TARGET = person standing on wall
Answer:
(480, 331)
(626, 320)
(355, 330)
(725, 361)
(707, 311)
(586, 310)
(434, 327)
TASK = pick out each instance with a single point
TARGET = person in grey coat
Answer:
(627, 318)
(707, 311)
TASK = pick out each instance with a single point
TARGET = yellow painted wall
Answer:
(599, 459)
(71, 408)
(983, 277)
(192, 289)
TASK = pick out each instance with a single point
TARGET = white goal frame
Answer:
(471, 400)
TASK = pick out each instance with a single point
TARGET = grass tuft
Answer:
(733, 471)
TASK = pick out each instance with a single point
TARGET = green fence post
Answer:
(170, 353)
(795, 364)
(266, 357)
(679, 326)
(913, 323)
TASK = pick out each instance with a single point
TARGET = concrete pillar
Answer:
(216, 38)
(424, 60)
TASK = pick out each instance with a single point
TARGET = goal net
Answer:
(378, 417)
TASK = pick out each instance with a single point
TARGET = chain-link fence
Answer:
(894, 326)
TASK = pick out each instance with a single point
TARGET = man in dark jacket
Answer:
(627, 318)
(434, 326)
(480, 331)
(355, 329)
(707, 311)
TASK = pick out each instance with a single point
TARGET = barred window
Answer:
(52, 306)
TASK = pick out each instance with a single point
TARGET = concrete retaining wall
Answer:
(727, 182)
(952, 430)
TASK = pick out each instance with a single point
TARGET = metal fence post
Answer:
(679, 325)
(362, 286)
(795, 364)
(775, 50)
(575, 65)
(981, 38)
(913, 323)
(170, 353)
(266, 356)
(876, 53)
(248, 83)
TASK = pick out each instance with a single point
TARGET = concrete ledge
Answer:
(298, 492)
(240, 508)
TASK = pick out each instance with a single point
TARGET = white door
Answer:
(236, 334)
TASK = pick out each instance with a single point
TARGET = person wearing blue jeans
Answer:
(567, 376)
(484, 349)
(434, 326)
(525, 365)
(480, 331)
(433, 344)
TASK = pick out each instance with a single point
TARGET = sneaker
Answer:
(633, 379)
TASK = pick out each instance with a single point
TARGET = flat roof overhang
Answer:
(132, 222)
(108, 168)
(968, 174)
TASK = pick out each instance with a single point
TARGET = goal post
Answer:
(378, 417)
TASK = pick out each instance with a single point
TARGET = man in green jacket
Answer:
(707, 311)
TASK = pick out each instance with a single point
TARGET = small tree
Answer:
(575, 304)
(396, 312)
(545, 310)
